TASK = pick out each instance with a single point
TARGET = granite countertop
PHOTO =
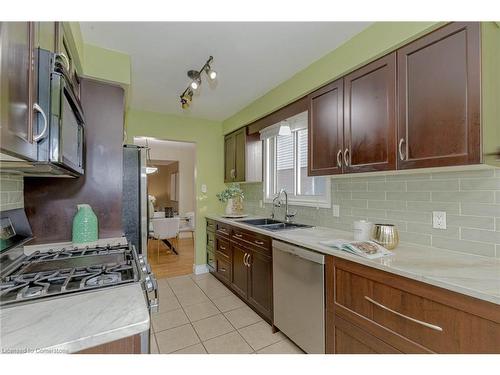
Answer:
(76, 322)
(472, 275)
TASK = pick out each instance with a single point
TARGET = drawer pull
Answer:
(222, 269)
(222, 247)
(428, 325)
(259, 242)
(238, 235)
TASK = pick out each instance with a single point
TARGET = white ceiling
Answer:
(250, 58)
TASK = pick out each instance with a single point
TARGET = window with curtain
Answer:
(286, 165)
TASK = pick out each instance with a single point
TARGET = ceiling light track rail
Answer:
(195, 76)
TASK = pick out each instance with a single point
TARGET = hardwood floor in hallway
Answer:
(168, 264)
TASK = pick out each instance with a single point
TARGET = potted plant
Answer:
(233, 196)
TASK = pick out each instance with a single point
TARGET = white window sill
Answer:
(304, 203)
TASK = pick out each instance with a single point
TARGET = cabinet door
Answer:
(239, 278)
(369, 117)
(326, 130)
(260, 283)
(240, 150)
(350, 339)
(17, 89)
(439, 98)
(229, 158)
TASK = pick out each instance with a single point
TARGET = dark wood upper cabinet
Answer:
(326, 120)
(18, 89)
(229, 158)
(439, 98)
(242, 157)
(370, 117)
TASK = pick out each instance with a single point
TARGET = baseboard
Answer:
(198, 269)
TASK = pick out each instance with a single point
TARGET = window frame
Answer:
(270, 178)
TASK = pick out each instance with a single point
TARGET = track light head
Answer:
(195, 76)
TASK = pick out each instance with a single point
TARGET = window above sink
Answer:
(285, 164)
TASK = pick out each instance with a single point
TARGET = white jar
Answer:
(362, 230)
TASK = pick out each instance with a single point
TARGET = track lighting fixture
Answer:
(195, 76)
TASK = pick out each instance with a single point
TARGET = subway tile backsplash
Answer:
(11, 192)
(471, 199)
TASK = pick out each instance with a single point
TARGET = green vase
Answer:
(84, 225)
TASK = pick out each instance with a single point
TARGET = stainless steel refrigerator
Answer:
(135, 197)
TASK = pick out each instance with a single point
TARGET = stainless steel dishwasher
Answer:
(299, 295)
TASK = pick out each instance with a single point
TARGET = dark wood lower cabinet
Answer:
(239, 278)
(369, 310)
(260, 281)
(244, 264)
(127, 345)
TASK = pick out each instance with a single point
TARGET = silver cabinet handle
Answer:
(248, 261)
(339, 158)
(43, 133)
(402, 155)
(245, 259)
(238, 235)
(425, 324)
(222, 247)
(222, 269)
(259, 242)
(65, 58)
(346, 158)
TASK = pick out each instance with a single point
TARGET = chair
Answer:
(188, 225)
(166, 229)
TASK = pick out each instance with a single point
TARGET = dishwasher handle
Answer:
(300, 252)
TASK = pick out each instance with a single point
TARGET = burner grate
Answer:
(68, 271)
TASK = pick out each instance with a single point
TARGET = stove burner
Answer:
(104, 279)
(33, 291)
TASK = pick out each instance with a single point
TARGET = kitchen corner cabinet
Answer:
(18, 89)
(242, 157)
(370, 117)
(244, 264)
(439, 98)
(372, 311)
(326, 130)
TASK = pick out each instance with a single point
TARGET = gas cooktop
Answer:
(58, 272)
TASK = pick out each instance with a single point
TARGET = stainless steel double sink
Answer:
(273, 225)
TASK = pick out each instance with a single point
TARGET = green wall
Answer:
(373, 42)
(106, 65)
(209, 158)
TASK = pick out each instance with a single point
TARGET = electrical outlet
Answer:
(261, 204)
(204, 188)
(439, 219)
(336, 210)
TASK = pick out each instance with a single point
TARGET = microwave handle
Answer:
(43, 133)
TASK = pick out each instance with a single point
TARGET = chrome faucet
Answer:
(276, 203)
(288, 215)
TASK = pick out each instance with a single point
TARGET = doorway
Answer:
(172, 206)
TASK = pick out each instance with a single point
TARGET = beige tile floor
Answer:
(199, 315)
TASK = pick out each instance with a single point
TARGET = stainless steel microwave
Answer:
(60, 124)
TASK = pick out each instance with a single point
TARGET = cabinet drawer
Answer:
(211, 240)
(223, 229)
(257, 240)
(223, 247)
(424, 315)
(211, 225)
(223, 268)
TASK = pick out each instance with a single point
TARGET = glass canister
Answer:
(85, 228)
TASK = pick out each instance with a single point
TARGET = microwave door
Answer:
(71, 135)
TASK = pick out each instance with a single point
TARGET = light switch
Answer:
(204, 188)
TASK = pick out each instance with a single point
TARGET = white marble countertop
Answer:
(76, 322)
(471, 275)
